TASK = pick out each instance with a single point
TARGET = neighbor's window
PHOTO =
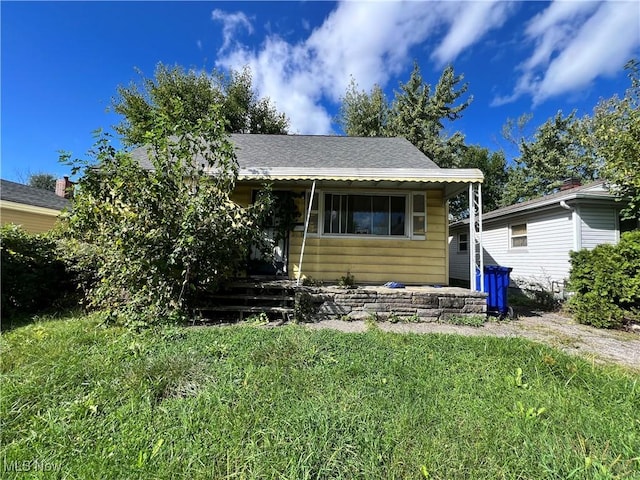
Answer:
(519, 235)
(364, 214)
(463, 242)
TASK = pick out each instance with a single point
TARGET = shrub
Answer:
(606, 282)
(33, 276)
(160, 236)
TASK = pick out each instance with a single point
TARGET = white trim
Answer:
(413, 213)
(23, 207)
(408, 213)
(511, 236)
(426, 175)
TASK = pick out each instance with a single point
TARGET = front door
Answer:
(274, 262)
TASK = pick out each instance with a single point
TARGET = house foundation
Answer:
(419, 304)
(285, 300)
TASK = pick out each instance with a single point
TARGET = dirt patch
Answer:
(603, 346)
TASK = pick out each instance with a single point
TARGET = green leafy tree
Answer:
(554, 154)
(364, 114)
(419, 115)
(243, 110)
(161, 235)
(45, 181)
(613, 132)
(197, 92)
(494, 167)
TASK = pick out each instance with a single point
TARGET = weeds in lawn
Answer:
(291, 403)
(467, 320)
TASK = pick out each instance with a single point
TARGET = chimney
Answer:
(64, 187)
(570, 183)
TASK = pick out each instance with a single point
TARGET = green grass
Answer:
(291, 403)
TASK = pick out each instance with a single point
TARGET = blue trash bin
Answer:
(496, 286)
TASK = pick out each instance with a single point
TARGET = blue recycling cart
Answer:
(496, 286)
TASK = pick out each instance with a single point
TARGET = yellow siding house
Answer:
(36, 210)
(373, 207)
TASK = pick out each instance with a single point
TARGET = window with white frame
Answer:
(518, 235)
(463, 242)
(419, 216)
(382, 215)
(368, 214)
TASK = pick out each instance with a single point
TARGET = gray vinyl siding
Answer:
(598, 225)
(458, 261)
(589, 218)
(543, 260)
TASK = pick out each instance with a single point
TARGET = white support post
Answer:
(306, 229)
(476, 257)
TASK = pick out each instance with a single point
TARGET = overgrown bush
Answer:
(606, 282)
(159, 235)
(33, 276)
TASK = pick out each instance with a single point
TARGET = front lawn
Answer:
(82, 401)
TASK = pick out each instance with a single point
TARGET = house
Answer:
(377, 207)
(34, 208)
(535, 237)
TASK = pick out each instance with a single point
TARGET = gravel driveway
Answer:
(605, 346)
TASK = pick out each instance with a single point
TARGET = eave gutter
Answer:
(452, 175)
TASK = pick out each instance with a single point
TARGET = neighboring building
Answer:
(535, 237)
(379, 211)
(35, 209)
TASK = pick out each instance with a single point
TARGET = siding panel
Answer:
(378, 260)
(545, 259)
(597, 225)
(31, 222)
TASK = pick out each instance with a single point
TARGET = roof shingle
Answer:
(19, 193)
(317, 151)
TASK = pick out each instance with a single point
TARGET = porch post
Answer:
(476, 257)
(306, 229)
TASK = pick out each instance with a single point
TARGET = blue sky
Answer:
(62, 61)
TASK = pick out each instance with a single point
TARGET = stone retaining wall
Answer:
(425, 304)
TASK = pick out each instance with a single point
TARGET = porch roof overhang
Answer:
(451, 180)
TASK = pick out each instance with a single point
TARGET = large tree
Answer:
(554, 154)
(417, 113)
(364, 114)
(197, 91)
(420, 115)
(45, 181)
(613, 132)
(494, 167)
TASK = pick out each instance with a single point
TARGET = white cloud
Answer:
(575, 43)
(469, 25)
(231, 23)
(370, 41)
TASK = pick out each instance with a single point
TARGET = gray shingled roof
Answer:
(587, 191)
(18, 193)
(317, 151)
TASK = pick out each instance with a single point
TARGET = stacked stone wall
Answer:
(424, 304)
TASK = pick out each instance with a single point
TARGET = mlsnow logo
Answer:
(33, 465)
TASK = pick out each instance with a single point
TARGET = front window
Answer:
(519, 235)
(382, 215)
